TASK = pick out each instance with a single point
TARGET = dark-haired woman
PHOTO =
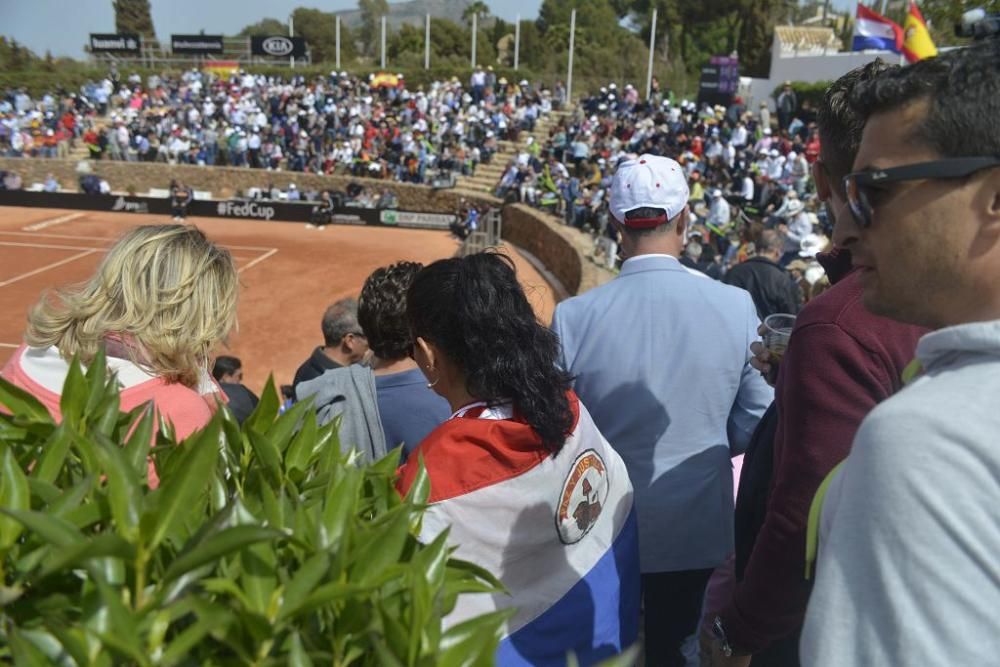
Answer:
(528, 486)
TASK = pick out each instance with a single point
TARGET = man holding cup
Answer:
(840, 362)
(907, 571)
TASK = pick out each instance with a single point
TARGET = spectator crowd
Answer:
(592, 465)
(337, 124)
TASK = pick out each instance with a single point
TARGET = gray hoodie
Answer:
(909, 565)
(348, 392)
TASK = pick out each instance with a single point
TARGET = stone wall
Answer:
(222, 182)
(565, 252)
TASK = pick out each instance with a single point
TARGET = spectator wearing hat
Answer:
(719, 213)
(675, 416)
(796, 226)
(770, 286)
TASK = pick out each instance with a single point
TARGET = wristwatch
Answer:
(719, 632)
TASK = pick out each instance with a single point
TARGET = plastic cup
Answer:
(777, 331)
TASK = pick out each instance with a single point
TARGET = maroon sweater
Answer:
(841, 362)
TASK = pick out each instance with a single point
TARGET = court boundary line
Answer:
(255, 262)
(12, 346)
(112, 240)
(47, 246)
(65, 260)
(52, 222)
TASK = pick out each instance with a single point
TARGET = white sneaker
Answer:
(310, 225)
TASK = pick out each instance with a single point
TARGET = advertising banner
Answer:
(115, 43)
(278, 46)
(196, 44)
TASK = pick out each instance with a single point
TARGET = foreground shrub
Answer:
(263, 545)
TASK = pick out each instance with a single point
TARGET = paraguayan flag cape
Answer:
(559, 531)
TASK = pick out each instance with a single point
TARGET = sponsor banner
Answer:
(417, 220)
(266, 211)
(278, 46)
(196, 44)
(114, 43)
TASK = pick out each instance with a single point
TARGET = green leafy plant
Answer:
(261, 545)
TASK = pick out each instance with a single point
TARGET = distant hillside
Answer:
(412, 12)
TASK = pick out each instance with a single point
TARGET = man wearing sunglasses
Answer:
(841, 362)
(907, 568)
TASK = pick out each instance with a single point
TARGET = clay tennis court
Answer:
(289, 274)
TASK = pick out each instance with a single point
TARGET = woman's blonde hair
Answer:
(167, 291)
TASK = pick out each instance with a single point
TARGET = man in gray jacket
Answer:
(907, 571)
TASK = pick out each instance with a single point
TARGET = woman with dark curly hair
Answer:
(520, 474)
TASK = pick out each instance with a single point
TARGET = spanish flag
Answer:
(917, 43)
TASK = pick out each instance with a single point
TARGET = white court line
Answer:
(47, 245)
(11, 345)
(258, 260)
(47, 267)
(53, 222)
(113, 239)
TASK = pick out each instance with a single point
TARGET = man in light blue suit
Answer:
(661, 360)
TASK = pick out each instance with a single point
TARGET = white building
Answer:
(807, 54)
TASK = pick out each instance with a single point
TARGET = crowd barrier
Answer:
(231, 208)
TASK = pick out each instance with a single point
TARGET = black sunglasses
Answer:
(858, 186)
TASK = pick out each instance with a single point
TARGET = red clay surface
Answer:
(289, 274)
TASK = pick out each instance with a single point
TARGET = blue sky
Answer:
(63, 26)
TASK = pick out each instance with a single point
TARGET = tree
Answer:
(477, 9)
(372, 12)
(134, 16)
(942, 15)
(319, 29)
(263, 28)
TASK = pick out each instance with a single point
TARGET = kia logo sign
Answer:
(278, 46)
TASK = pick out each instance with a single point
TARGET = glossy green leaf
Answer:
(268, 456)
(106, 545)
(124, 488)
(383, 546)
(284, 427)
(304, 583)
(420, 490)
(297, 656)
(267, 409)
(74, 395)
(26, 407)
(24, 651)
(139, 439)
(472, 643)
(220, 544)
(124, 636)
(341, 504)
(53, 455)
(300, 451)
(14, 495)
(258, 579)
(177, 493)
(57, 532)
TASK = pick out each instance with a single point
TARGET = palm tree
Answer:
(477, 8)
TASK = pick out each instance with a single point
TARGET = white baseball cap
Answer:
(650, 181)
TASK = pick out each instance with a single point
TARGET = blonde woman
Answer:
(161, 300)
